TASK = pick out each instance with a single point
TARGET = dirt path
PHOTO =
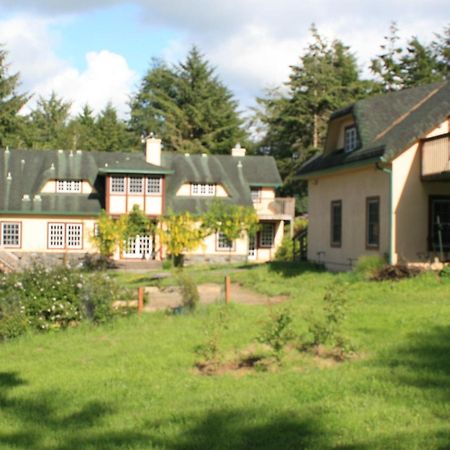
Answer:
(209, 293)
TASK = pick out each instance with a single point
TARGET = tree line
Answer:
(192, 110)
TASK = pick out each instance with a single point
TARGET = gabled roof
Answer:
(23, 173)
(387, 125)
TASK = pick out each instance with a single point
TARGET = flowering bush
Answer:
(48, 299)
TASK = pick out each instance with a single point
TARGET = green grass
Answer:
(131, 384)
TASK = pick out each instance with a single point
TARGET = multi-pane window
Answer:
(118, 184)
(336, 223)
(373, 222)
(255, 193)
(153, 185)
(68, 185)
(205, 189)
(56, 235)
(61, 235)
(440, 223)
(10, 234)
(74, 233)
(267, 235)
(136, 185)
(350, 139)
(223, 243)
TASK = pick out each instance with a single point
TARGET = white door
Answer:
(138, 247)
(252, 248)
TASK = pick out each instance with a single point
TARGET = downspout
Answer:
(391, 210)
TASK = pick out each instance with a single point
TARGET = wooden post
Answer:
(140, 300)
(227, 289)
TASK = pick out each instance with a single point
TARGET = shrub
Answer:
(285, 251)
(368, 266)
(396, 272)
(95, 261)
(189, 292)
(277, 332)
(445, 272)
(43, 299)
(325, 327)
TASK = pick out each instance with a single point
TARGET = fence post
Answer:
(140, 300)
(227, 289)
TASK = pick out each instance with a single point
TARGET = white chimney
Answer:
(238, 150)
(153, 150)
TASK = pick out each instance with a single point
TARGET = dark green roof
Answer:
(23, 173)
(387, 125)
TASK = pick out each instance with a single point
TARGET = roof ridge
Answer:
(408, 113)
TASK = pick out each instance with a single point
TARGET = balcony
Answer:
(436, 158)
(275, 208)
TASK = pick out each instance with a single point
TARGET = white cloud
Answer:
(106, 77)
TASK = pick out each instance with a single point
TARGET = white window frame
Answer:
(59, 240)
(70, 235)
(17, 234)
(350, 138)
(255, 193)
(263, 236)
(131, 187)
(154, 185)
(203, 189)
(223, 243)
(118, 184)
(74, 235)
(68, 186)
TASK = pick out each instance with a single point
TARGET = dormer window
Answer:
(350, 138)
(203, 189)
(68, 186)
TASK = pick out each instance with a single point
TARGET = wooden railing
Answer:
(436, 155)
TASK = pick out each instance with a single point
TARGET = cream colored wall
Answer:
(352, 188)
(185, 190)
(411, 202)
(268, 254)
(50, 187)
(34, 233)
(120, 204)
(262, 205)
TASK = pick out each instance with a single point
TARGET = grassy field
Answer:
(131, 384)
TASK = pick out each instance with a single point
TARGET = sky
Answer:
(97, 51)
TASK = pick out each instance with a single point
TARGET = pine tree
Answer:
(387, 65)
(325, 79)
(48, 124)
(10, 104)
(419, 65)
(441, 49)
(111, 133)
(82, 130)
(188, 107)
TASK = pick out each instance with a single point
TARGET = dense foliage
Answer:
(188, 107)
(49, 299)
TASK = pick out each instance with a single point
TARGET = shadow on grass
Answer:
(243, 430)
(422, 362)
(293, 269)
(39, 422)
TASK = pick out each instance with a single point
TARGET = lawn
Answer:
(131, 384)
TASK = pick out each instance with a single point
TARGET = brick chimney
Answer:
(153, 150)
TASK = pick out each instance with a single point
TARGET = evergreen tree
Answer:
(188, 107)
(48, 124)
(441, 49)
(11, 125)
(325, 79)
(111, 133)
(387, 66)
(419, 65)
(82, 130)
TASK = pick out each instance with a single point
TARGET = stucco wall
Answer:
(352, 188)
(411, 203)
(34, 233)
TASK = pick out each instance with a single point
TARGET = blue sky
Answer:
(97, 51)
